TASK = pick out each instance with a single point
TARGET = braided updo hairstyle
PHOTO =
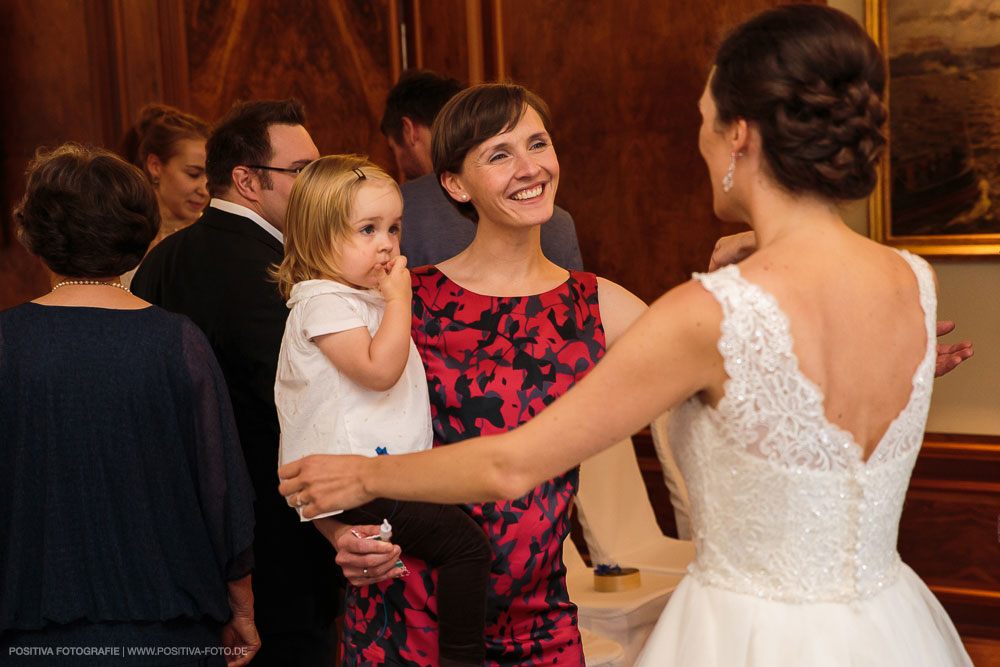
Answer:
(812, 81)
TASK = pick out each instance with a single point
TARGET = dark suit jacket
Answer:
(215, 272)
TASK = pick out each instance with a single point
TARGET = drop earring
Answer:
(727, 180)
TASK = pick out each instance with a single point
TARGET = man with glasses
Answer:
(216, 272)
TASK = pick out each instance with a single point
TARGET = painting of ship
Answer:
(940, 187)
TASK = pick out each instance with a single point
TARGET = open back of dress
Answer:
(795, 533)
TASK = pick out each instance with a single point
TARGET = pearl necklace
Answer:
(89, 282)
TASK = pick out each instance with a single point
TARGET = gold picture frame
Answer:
(944, 205)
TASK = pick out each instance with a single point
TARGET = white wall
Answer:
(968, 399)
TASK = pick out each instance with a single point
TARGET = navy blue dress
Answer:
(125, 504)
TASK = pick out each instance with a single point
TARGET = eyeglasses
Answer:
(293, 170)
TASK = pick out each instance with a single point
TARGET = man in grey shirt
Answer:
(433, 229)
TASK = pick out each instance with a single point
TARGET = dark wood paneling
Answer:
(173, 53)
(623, 81)
(59, 85)
(950, 529)
(625, 128)
(983, 652)
(337, 57)
(22, 276)
(437, 37)
(137, 56)
(149, 45)
(82, 70)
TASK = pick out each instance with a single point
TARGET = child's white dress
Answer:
(321, 410)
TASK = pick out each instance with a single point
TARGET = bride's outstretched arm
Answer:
(666, 356)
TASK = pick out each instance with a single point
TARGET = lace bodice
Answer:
(782, 504)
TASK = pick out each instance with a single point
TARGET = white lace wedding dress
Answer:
(795, 534)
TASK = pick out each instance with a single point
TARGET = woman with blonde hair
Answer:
(350, 381)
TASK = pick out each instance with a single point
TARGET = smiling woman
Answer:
(501, 332)
(478, 151)
(169, 146)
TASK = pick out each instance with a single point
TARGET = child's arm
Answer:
(376, 362)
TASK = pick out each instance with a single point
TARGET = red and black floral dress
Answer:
(492, 363)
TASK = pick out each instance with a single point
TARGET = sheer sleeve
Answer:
(225, 493)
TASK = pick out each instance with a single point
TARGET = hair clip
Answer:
(361, 174)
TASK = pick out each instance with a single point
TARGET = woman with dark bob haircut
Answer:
(125, 522)
(799, 381)
(502, 331)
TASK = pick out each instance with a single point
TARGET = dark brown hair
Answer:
(812, 81)
(418, 95)
(241, 138)
(86, 212)
(159, 129)
(473, 116)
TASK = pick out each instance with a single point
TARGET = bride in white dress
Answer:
(800, 378)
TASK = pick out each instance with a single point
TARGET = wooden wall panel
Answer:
(82, 70)
(623, 81)
(58, 81)
(950, 529)
(339, 58)
(437, 37)
(136, 57)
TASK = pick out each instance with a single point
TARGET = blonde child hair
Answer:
(319, 212)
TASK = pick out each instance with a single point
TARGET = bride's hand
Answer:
(324, 483)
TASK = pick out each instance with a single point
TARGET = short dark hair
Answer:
(158, 131)
(473, 116)
(241, 138)
(419, 95)
(812, 80)
(86, 213)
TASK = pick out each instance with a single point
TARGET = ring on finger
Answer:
(364, 572)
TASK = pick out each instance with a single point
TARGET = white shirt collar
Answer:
(236, 209)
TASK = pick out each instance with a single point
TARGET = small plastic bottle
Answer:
(385, 532)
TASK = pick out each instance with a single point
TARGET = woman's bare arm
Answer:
(619, 309)
(667, 355)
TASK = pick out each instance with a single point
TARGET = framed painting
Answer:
(939, 185)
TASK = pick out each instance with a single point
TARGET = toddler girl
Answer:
(350, 380)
